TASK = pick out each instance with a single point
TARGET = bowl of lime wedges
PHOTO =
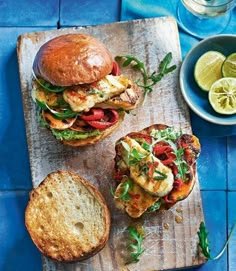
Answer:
(208, 79)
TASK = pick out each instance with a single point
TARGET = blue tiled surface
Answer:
(232, 163)
(88, 12)
(17, 250)
(232, 219)
(15, 173)
(217, 163)
(216, 221)
(212, 164)
(29, 13)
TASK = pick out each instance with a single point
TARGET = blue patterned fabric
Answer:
(136, 9)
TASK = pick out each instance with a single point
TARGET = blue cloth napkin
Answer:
(137, 9)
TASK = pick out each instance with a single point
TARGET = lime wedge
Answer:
(229, 66)
(207, 69)
(222, 96)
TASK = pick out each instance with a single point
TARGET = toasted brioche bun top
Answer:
(67, 217)
(72, 59)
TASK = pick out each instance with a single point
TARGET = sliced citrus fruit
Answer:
(222, 96)
(207, 69)
(229, 66)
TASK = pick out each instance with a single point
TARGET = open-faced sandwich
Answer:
(154, 169)
(67, 217)
(80, 90)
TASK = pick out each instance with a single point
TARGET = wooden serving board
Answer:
(171, 239)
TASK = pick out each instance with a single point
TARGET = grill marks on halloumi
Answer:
(82, 98)
(139, 200)
(57, 123)
(126, 100)
(153, 186)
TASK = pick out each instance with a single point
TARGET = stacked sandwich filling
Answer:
(86, 110)
(80, 90)
(154, 169)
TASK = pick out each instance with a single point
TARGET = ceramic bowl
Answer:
(193, 95)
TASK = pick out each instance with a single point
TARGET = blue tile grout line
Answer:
(227, 166)
(28, 26)
(24, 190)
(227, 217)
(59, 15)
(16, 190)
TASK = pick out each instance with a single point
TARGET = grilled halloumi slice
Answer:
(57, 123)
(139, 200)
(51, 98)
(81, 99)
(127, 100)
(149, 183)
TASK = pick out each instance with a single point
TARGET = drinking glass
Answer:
(202, 18)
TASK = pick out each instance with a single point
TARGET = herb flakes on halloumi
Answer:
(137, 199)
(145, 169)
(85, 97)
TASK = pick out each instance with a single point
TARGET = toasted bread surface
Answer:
(67, 217)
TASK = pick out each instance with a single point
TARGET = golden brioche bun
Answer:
(72, 59)
(67, 217)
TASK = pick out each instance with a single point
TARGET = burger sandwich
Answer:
(80, 90)
(154, 169)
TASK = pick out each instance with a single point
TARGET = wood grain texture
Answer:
(168, 244)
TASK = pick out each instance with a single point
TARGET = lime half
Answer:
(207, 69)
(229, 66)
(222, 96)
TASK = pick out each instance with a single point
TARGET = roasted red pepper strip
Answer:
(115, 70)
(170, 159)
(175, 169)
(168, 200)
(101, 125)
(93, 114)
(161, 149)
(178, 183)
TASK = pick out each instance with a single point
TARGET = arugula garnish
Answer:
(134, 157)
(160, 177)
(149, 80)
(166, 134)
(181, 164)
(125, 196)
(204, 244)
(136, 238)
(47, 86)
(203, 240)
(169, 135)
(66, 114)
(156, 206)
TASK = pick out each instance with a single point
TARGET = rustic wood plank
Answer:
(168, 244)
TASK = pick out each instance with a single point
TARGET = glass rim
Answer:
(216, 6)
